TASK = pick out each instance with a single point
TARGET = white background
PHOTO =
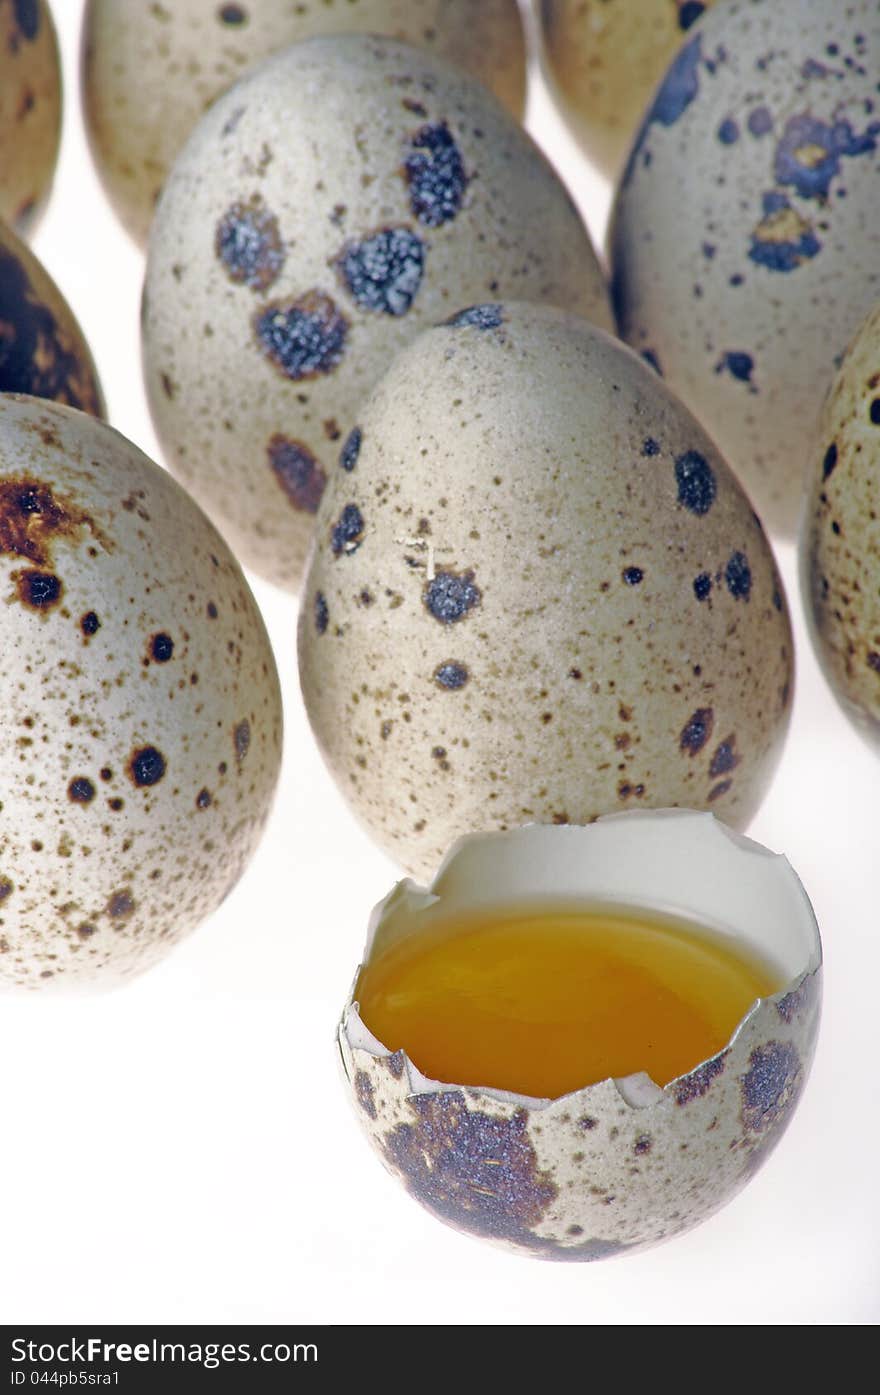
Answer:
(183, 1150)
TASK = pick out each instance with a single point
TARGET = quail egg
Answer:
(840, 545)
(346, 194)
(603, 58)
(745, 243)
(30, 109)
(622, 1162)
(140, 714)
(149, 71)
(537, 594)
(42, 348)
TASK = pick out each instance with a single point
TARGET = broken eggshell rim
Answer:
(652, 835)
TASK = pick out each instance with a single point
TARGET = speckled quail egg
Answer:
(745, 242)
(603, 59)
(149, 71)
(42, 348)
(140, 715)
(30, 108)
(621, 1163)
(346, 194)
(537, 594)
(840, 542)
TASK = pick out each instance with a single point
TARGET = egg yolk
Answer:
(542, 1001)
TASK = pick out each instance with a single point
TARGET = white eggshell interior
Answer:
(673, 861)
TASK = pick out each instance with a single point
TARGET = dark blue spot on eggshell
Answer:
(27, 14)
(41, 590)
(449, 597)
(702, 586)
(383, 272)
(146, 766)
(348, 532)
(770, 1085)
(697, 730)
(680, 86)
(478, 1172)
(760, 122)
(813, 68)
(436, 174)
(363, 1087)
(696, 482)
(248, 244)
(304, 337)
(348, 456)
(451, 676)
(773, 202)
(777, 253)
(728, 131)
(812, 177)
(739, 365)
(322, 614)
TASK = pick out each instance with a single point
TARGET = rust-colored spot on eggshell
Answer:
(33, 516)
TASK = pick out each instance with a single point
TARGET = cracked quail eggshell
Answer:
(346, 194)
(149, 71)
(44, 350)
(140, 714)
(603, 59)
(745, 242)
(840, 543)
(30, 109)
(621, 1164)
(537, 594)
